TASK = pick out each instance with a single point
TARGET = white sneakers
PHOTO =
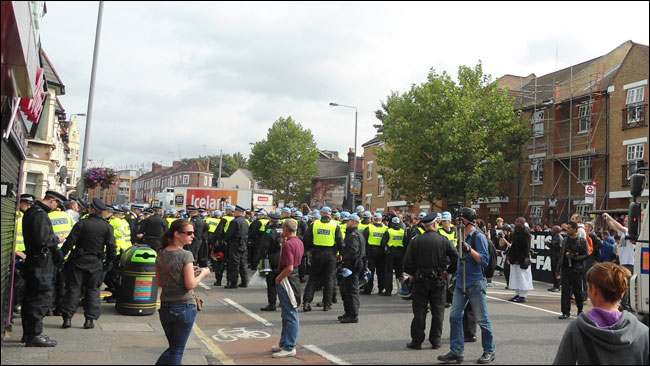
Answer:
(283, 353)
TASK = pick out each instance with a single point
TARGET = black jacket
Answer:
(91, 237)
(237, 233)
(520, 248)
(270, 244)
(578, 247)
(152, 228)
(556, 245)
(430, 251)
(353, 250)
(38, 234)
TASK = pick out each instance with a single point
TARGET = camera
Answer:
(500, 235)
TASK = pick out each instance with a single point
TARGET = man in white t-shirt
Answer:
(626, 250)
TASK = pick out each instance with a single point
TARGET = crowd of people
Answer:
(67, 248)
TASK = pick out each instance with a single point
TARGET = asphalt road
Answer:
(524, 333)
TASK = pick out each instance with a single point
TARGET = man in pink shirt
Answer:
(288, 288)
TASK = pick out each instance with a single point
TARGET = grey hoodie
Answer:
(625, 343)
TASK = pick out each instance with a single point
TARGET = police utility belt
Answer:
(80, 252)
(431, 274)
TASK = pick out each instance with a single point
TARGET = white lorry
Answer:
(638, 227)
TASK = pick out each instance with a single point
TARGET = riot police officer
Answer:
(38, 269)
(270, 244)
(152, 228)
(376, 256)
(201, 231)
(425, 260)
(393, 244)
(235, 239)
(353, 253)
(93, 241)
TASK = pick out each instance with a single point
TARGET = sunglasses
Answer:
(188, 233)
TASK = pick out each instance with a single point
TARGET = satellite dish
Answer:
(63, 174)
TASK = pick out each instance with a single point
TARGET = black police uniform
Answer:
(376, 263)
(93, 240)
(270, 244)
(425, 260)
(217, 244)
(394, 259)
(322, 267)
(303, 227)
(236, 238)
(152, 229)
(353, 253)
(199, 247)
(38, 272)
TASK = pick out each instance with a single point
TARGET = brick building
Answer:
(145, 187)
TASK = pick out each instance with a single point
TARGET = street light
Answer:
(354, 176)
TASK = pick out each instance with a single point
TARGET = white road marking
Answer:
(216, 351)
(528, 306)
(204, 285)
(335, 360)
(248, 312)
(529, 294)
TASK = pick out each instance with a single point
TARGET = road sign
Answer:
(590, 190)
(589, 199)
(594, 182)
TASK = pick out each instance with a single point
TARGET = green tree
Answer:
(229, 163)
(450, 141)
(286, 160)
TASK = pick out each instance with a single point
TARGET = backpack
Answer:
(488, 270)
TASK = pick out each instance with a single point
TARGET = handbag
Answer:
(199, 301)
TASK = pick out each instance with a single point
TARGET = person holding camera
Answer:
(504, 245)
(571, 269)
(429, 258)
(471, 287)
(521, 276)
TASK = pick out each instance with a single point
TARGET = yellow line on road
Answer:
(216, 351)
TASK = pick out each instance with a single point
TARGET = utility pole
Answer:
(220, 161)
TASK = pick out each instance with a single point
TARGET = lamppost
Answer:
(354, 176)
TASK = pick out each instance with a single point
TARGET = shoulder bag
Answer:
(199, 301)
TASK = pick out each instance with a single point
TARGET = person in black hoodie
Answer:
(571, 269)
(605, 335)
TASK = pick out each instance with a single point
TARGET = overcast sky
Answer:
(200, 77)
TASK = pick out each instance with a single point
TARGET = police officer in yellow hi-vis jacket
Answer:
(376, 256)
(62, 224)
(393, 244)
(122, 234)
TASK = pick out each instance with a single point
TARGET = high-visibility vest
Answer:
(20, 240)
(324, 233)
(61, 224)
(212, 223)
(228, 219)
(375, 234)
(126, 230)
(451, 236)
(170, 220)
(421, 229)
(362, 227)
(344, 228)
(395, 237)
(117, 232)
(264, 223)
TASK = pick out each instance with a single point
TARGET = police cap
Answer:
(354, 217)
(239, 208)
(429, 219)
(56, 195)
(274, 217)
(191, 208)
(27, 197)
(98, 204)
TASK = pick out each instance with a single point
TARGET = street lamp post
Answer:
(354, 174)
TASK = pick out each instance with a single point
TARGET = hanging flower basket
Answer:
(104, 177)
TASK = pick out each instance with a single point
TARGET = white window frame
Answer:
(635, 153)
(175, 180)
(584, 169)
(635, 95)
(186, 179)
(369, 174)
(536, 214)
(582, 209)
(537, 121)
(381, 186)
(537, 171)
(584, 117)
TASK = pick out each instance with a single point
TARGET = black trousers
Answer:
(376, 264)
(506, 272)
(59, 287)
(428, 293)
(218, 266)
(554, 264)
(323, 267)
(271, 291)
(350, 294)
(571, 283)
(303, 268)
(19, 286)
(236, 266)
(112, 279)
(393, 263)
(86, 276)
(37, 300)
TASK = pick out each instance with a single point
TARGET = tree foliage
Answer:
(229, 164)
(286, 160)
(449, 141)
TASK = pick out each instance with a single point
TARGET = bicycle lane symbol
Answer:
(234, 334)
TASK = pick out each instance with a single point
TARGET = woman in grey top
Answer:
(175, 275)
(605, 335)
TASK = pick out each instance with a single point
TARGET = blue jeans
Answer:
(177, 321)
(476, 297)
(290, 321)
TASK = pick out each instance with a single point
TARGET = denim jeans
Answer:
(476, 296)
(177, 321)
(290, 321)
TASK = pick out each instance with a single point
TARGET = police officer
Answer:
(26, 202)
(62, 225)
(426, 261)
(448, 230)
(256, 231)
(416, 228)
(217, 256)
(270, 244)
(235, 239)
(201, 231)
(122, 233)
(217, 240)
(303, 226)
(393, 245)
(352, 256)
(132, 216)
(152, 228)
(325, 240)
(376, 256)
(38, 269)
(366, 220)
(93, 239)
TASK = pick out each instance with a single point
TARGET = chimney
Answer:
(176, 164)
(155, 168)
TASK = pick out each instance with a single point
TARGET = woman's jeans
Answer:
(177, 321)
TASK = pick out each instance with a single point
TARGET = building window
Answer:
(635, 107)
(186, 179)
(582, 211)
(176, 180)
(635, 95)
(33, 184)
(584, 115)
(536, 214)
(584, 170)
(635, 153)
(368, 201)
(537, 171)
(380, 193)
(369, 176)
(205, 180)
(537, 121)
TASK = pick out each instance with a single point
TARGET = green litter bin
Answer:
(138, 291)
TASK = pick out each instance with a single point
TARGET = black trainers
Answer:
(486, 358)
(450, 357)
(327, 307)
(564, 316)
(268, 307)
(470, 339)
(513, 298)
(519, 299)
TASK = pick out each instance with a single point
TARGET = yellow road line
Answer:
(216, 351)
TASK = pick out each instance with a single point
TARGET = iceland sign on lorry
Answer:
(209, 198)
